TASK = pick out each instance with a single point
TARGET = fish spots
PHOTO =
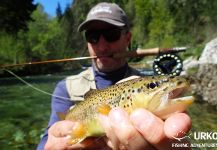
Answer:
(172, 77)
(139, 90)
(165, 89)
(179, 82)
(129, 95)
(128, 104)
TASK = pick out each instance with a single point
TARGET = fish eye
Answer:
(152, 85)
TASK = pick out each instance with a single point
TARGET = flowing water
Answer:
(24, 114)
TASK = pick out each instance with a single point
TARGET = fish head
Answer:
(163, 95)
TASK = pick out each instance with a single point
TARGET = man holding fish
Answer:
(110, 124)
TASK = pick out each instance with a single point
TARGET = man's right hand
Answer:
(59, 137)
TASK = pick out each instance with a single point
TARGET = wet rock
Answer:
(206, 77)
(209, 54)
(189, 63)
(207, 83)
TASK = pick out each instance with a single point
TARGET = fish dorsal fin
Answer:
(89, 93)
(127, 79)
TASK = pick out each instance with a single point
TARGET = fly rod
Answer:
(137, 53)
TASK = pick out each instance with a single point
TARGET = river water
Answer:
(24, 114)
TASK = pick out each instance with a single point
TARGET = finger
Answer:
(128, 136)
(177, 125)
(54, 143)
(59, 135)
(151, 128)
(61, 128)
(92, 143)
(112, 140)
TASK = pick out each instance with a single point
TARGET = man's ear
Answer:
(129, 35)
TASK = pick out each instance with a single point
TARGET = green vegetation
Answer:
(24, 111)
(162, 23)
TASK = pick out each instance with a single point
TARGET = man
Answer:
(107, 32)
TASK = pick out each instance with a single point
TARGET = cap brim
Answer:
(84, 26)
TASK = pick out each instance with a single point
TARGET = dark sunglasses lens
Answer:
(112, 35)
(92, 36)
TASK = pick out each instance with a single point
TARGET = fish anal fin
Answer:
(104, 109)
(79, 130)
(75, 141)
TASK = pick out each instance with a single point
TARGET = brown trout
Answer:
(159, 94)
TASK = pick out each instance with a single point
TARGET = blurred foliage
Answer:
(163, 23)
(15, 14)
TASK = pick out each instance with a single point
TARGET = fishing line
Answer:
(33, 87)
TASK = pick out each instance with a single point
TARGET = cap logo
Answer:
(100, 9)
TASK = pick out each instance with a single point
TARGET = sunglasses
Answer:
(110, 35)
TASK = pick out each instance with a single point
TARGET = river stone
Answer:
(209, 54)
(206, 85)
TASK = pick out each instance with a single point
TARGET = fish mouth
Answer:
(179, 94)
(174, 101)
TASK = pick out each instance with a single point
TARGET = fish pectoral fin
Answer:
(73, 141)
(78, 134)
(90, 142)
(104, 109)
(61, 115)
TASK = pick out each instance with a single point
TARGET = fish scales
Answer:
(110, 96)
(155, 93)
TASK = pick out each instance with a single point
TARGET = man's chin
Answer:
(108, 65)
(105, 69)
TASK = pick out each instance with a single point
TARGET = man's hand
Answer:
(141, 130)
(59, 137)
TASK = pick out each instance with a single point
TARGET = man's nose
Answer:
(102, 43)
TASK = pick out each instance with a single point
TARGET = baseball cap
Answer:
(106, 12)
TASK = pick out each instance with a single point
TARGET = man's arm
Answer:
(57, 105)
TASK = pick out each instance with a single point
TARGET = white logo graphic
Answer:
(197, 139)
(181, 138)
(99, 9)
